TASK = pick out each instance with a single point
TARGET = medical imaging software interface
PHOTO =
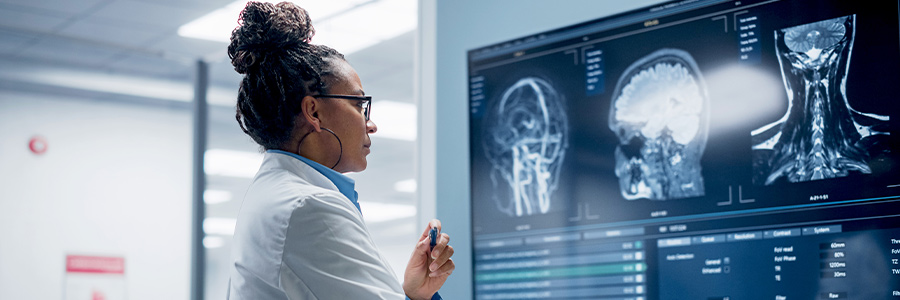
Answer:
(694, 149)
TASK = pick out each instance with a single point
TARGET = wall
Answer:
(448, 30)
(114, 181)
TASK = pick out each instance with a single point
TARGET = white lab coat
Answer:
(298, 237)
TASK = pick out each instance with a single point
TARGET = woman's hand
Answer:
(428, 268)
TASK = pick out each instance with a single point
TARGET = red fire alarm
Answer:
(38, 145)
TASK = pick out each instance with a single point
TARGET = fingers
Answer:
(442, 241)
(444, 270)
(441, 253)
(422, 247)
(440, 264)
(435, 223)
(429, 267)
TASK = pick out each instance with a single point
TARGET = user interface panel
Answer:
(691, 150)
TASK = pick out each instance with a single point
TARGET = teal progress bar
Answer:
(565, 272)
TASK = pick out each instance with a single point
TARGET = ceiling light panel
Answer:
(222, 162)
(220, 226)
(347, 26)
(324, 9)
(216, 25)
(216, 196)
(366, 25)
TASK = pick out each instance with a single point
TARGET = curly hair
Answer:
(271, 48)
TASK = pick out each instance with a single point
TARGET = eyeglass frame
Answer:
(367, 99)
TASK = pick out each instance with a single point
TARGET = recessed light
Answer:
(347, 26)
(232, 163)
(216, 196)
(220, 226)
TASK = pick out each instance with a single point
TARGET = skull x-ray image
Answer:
(820, 136)
(525, 140)
(659, 113)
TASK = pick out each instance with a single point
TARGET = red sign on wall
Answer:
(94, 278)
(95, 264)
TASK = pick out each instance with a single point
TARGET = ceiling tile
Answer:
(199, 5)
(67, 7)
(191, 48)
(164, 17)
(152, 66)
(69, 52)
(11, 42)
(29, 21)
(110, 32)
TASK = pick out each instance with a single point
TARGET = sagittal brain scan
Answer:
(525, 141)
(659, 115)
(820, 136)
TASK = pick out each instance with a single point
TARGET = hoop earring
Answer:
(335, 136)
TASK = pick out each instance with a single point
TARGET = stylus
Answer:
(433, 235)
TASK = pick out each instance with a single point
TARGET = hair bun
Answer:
(266, 27)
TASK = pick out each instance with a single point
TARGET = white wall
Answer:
(115, 181)
(449, 30)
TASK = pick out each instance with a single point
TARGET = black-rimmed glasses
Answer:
(365, 101)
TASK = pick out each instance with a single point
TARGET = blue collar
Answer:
(344, 184)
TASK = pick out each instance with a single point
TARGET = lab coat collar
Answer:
(344, 184)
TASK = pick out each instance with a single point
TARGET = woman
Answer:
(300, 232)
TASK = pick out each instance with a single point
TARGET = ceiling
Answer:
(129, 50)
(139, 38)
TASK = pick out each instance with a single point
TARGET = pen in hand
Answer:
(433, 235)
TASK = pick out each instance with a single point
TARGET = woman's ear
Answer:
(309, 110)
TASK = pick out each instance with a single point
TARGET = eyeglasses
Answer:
(365, 101)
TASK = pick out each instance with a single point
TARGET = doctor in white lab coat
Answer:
(300, 232)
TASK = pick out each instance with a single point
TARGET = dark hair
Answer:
(271, 48)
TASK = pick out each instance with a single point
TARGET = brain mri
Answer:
(525, 140)
(820, 136)
(659, 114)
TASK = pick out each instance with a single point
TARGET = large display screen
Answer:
(691, 150)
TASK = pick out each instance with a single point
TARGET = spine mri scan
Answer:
(525, 140)
(659, 113)
(820, 136)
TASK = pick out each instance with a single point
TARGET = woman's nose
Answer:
(371, 127)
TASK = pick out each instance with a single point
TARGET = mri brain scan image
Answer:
(525, 140)
(821, 135)
(659, 113)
